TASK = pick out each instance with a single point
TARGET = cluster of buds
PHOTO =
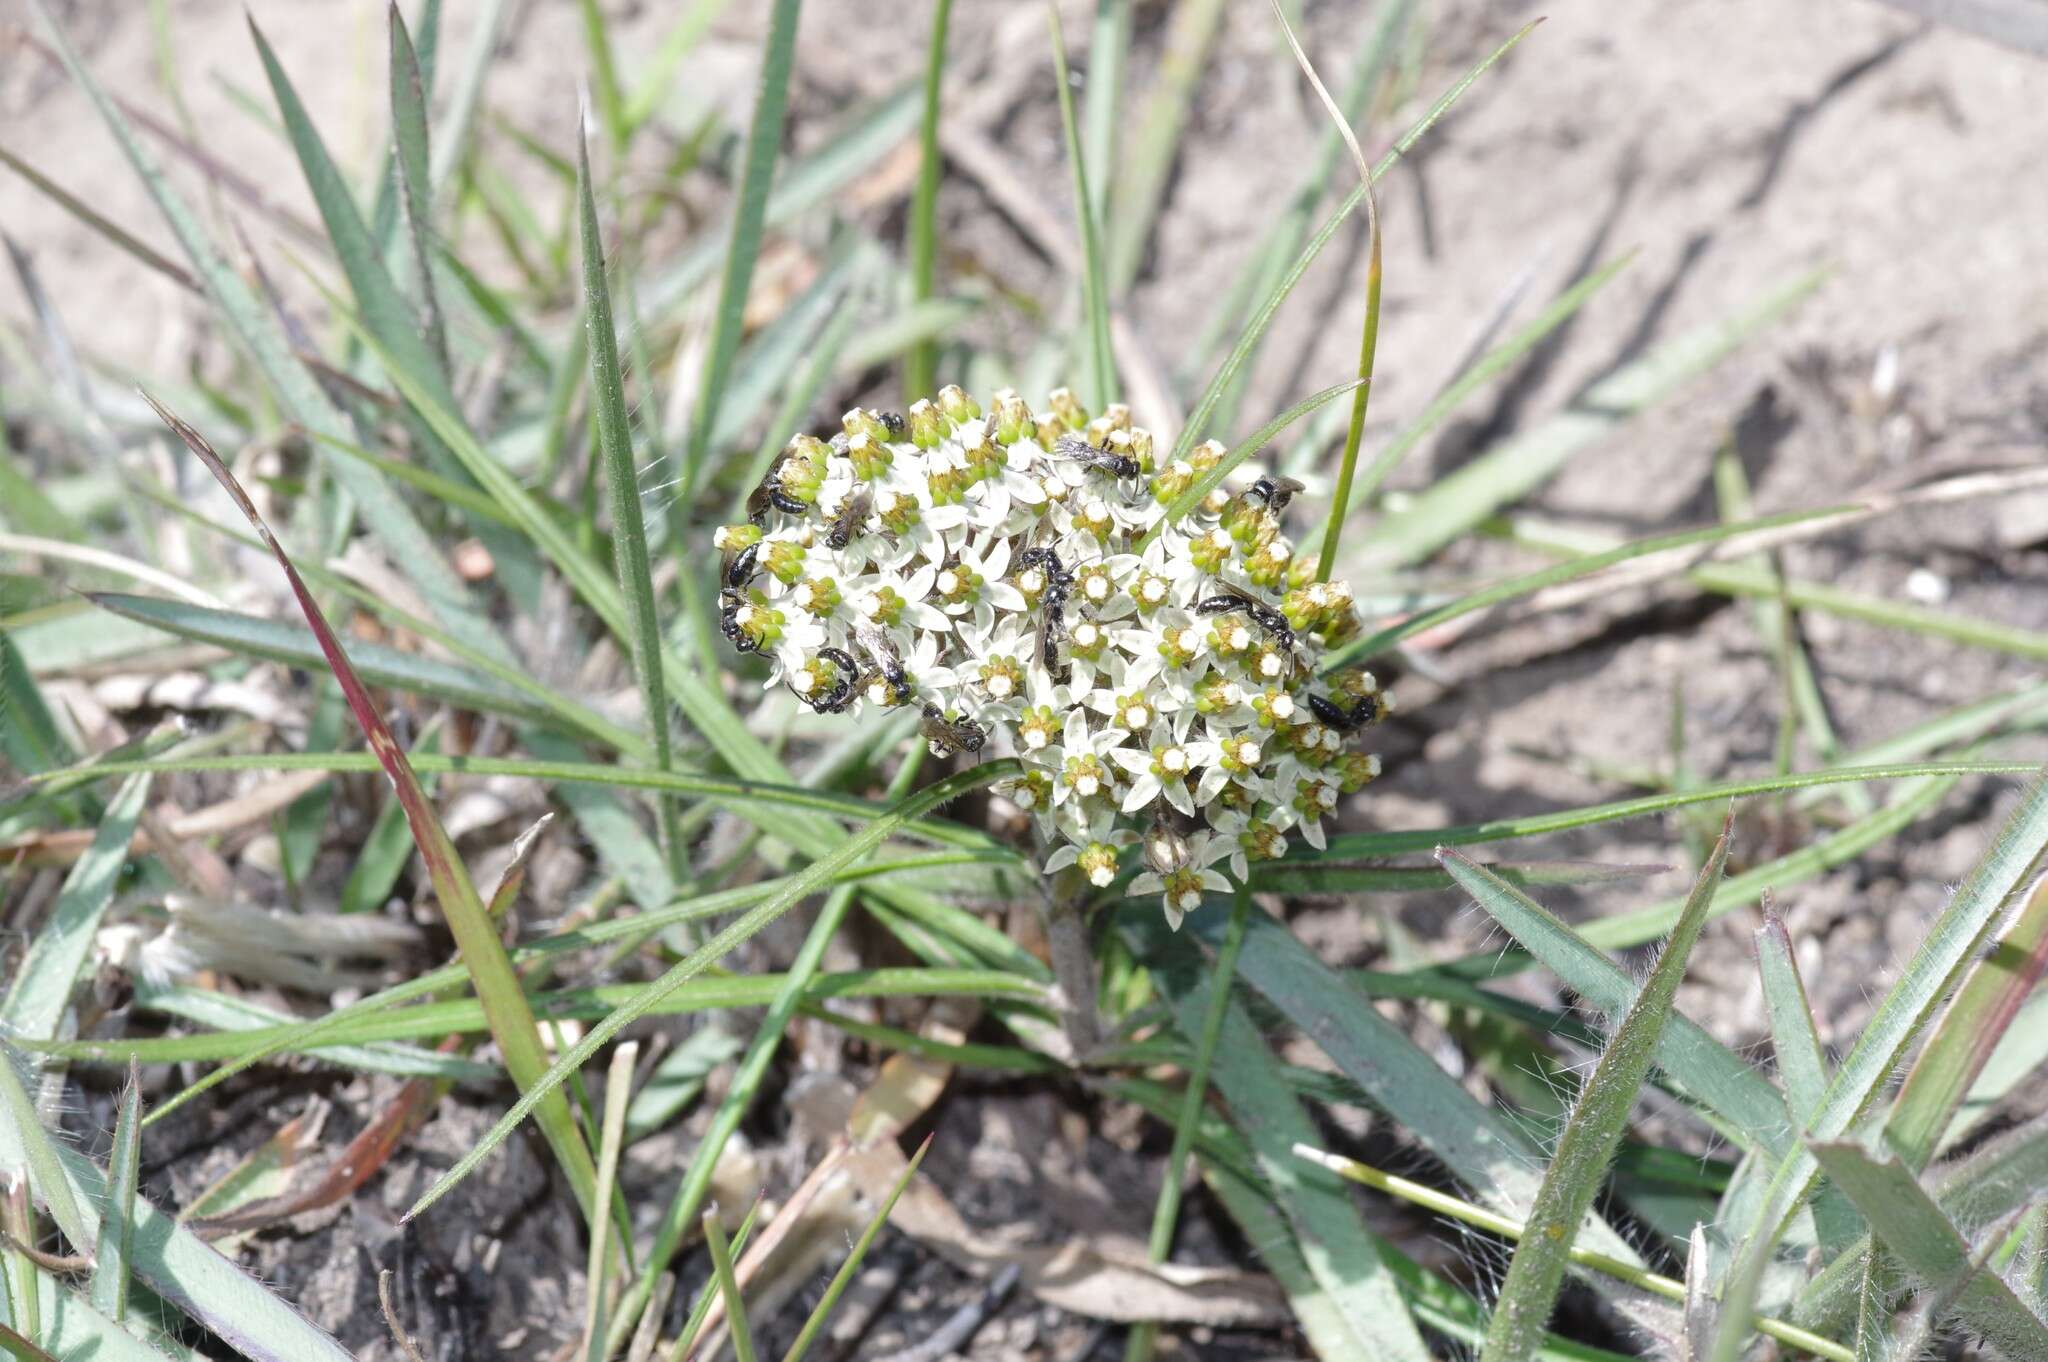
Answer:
(1010, 576)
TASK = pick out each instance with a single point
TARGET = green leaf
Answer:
(1101, 370)
(172, 1261)
(604, 77)
(403, 537)
(476, 936)
(1952, 939)
(1460, 500)
(115, 1243)
(1579, 1164)
(381, 857)
(415, 189)
(677, 1080)
(920, 365)
(650, 996)
(1991, 996)
(1802, 1067)
(50, 967)
(1752, 1110)
(764, 143)
(29, 737)
(26, 1147)
(1909, 1223)
(1178, 508)
(1138, 185)
(629, 534)
(296, 646)
(1326, 1226)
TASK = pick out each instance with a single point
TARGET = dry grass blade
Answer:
(497, 986)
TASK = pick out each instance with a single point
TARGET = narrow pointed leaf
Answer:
(1931, 1248)
(56, 954)
(410, 165)
(615, 445)
(476, 937)
(1802, 1068)
(1578, 1166)
(1706, 1068)
(116, 1242)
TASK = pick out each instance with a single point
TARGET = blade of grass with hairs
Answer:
(1578, 1165)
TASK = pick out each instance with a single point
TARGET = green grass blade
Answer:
(841, 1279)
(1255, 330)
(178, 1265)
(618, 1092)
(116, 1241)
(1802, 1067)
(475, 935)
(742, 1338)
(764, 141)
(1166, 1211)
(1909, 1222)
(1100, 389)
(458, 125)
(30, 1149)
(1579, 1164)
(604, 77)
(415, 191)
(1528, 583)
(1734, 580)
(29, 737)
(921, 363)
(1369, 333)
(629, 533)
(105, 227)
(1138, 186)
(298, 647)
(400, 531)
(1179, 507)
(1340, 1254)
(1493, 362)
(1952, 939)
(1455, 503)
(821, 870)
(1983, 1011)
(1714, 1074)
(50, 967)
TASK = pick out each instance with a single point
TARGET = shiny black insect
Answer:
(884, 664)
(1275, 491)
(840, 696)
(770, 493)
(1233, 601)
(852, 516)
(1342, 719)
(1052, 611)
(732, 595)
(1106, 460)
(949, 736)
(895, 424)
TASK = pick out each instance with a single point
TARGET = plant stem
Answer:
(1166, 1215)
(1073, 964)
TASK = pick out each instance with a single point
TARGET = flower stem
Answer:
(1166, 1215)
(1073, 963)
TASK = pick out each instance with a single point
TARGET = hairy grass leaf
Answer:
(1578, 1165)
(410, 166)
(1712, 1073)
(115, 1243)
(1990, 998)
(629, 534)
(1909, 1222)
(1802, 1068)
(1926, 978)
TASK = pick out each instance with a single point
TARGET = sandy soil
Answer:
(1730, 145)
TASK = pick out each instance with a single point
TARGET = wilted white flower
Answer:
(1015, 572)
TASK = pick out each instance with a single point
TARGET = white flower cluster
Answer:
(1009, 575)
